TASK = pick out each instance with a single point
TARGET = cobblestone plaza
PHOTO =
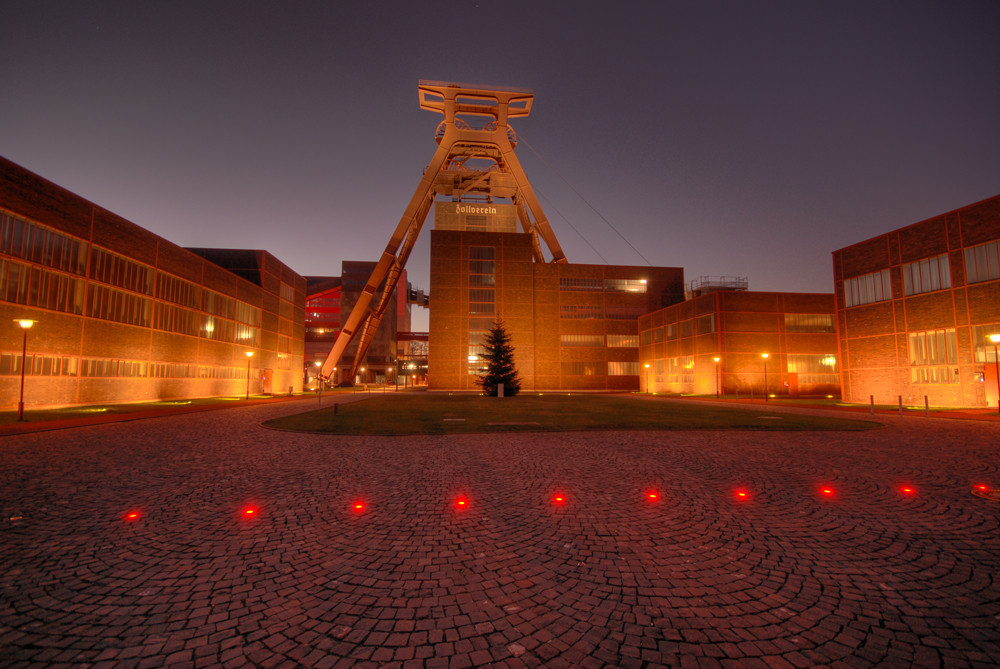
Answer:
(786, 576)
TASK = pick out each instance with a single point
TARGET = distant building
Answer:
(679, 345)
(915, 307)
(573, 327)
(329, 297)
(125, 315)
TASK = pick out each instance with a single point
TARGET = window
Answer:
(929, 274)
(219, 305)
(809, 323)
(176, 319)
(625, 285)
(111, 268)
(657, 334)
(575, 312)
(623, 313)
(623, 341)
(933, 356)
(116, 305)
(646, 337)
(981, 345)
(623, 369)
(982, 262)
(581, 340)
(867, 288)
(287, 292)
(38, 365)
(687, 328)
(814, 368)
(572, 283)
(583, 368)
(38, 287)
(705, 324)
(38, 244)
(178, 291)
(687, 368)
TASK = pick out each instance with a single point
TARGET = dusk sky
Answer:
(728, 138)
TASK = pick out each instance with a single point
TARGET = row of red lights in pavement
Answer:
(462, 503)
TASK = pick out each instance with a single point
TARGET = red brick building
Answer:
(125, 315)
(714, 343)
(915, 307)
(573, 327)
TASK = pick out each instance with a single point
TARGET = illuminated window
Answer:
(983, 347)
(623, 341)
(809, 323)
(933, 356)
(929, 274)
(867, 288)
(625, 285)
(623, 369)
(982, 262)
(687, 368)
(581, 340)
(817, 369)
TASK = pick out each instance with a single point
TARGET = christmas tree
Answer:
(499, 357)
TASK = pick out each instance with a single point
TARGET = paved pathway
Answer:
(698, 577)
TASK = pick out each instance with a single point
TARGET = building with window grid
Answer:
(124, 315)
(573, 327)
(715, 342)
(915, 307)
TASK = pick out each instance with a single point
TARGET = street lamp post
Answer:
(25, 324)
(647, 377)
(718, 376)
(995, 338)
(249, 355)
(765, 356)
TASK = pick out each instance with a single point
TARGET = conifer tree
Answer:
(500, 369)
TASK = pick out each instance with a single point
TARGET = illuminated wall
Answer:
(681, 342)
(124, 315)
(573, 327)
(914, 308)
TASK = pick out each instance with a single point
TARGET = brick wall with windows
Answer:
(925, 336)
(124, 315)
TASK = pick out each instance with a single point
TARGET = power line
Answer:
(520, 138)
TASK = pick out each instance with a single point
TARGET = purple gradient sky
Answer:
(739, 138)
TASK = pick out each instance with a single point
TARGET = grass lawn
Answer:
(454, 414)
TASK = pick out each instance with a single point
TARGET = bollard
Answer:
(871, 400)
(900, 405)
(927, 408)
(335, 407)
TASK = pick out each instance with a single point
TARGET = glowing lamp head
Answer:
(717, 359)
(646, 365)
(249, 354)
(765, 355)
(995, 338)
(25, 323)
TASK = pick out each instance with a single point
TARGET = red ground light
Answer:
(358, 506)
(132, 515)
(826, 491)
(907, 490)
(250, 511)
(981, 486)
(742, 495)
(652, 495)
(559, 498)
(461, 502)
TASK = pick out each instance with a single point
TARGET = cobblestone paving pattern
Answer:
(787, 577)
